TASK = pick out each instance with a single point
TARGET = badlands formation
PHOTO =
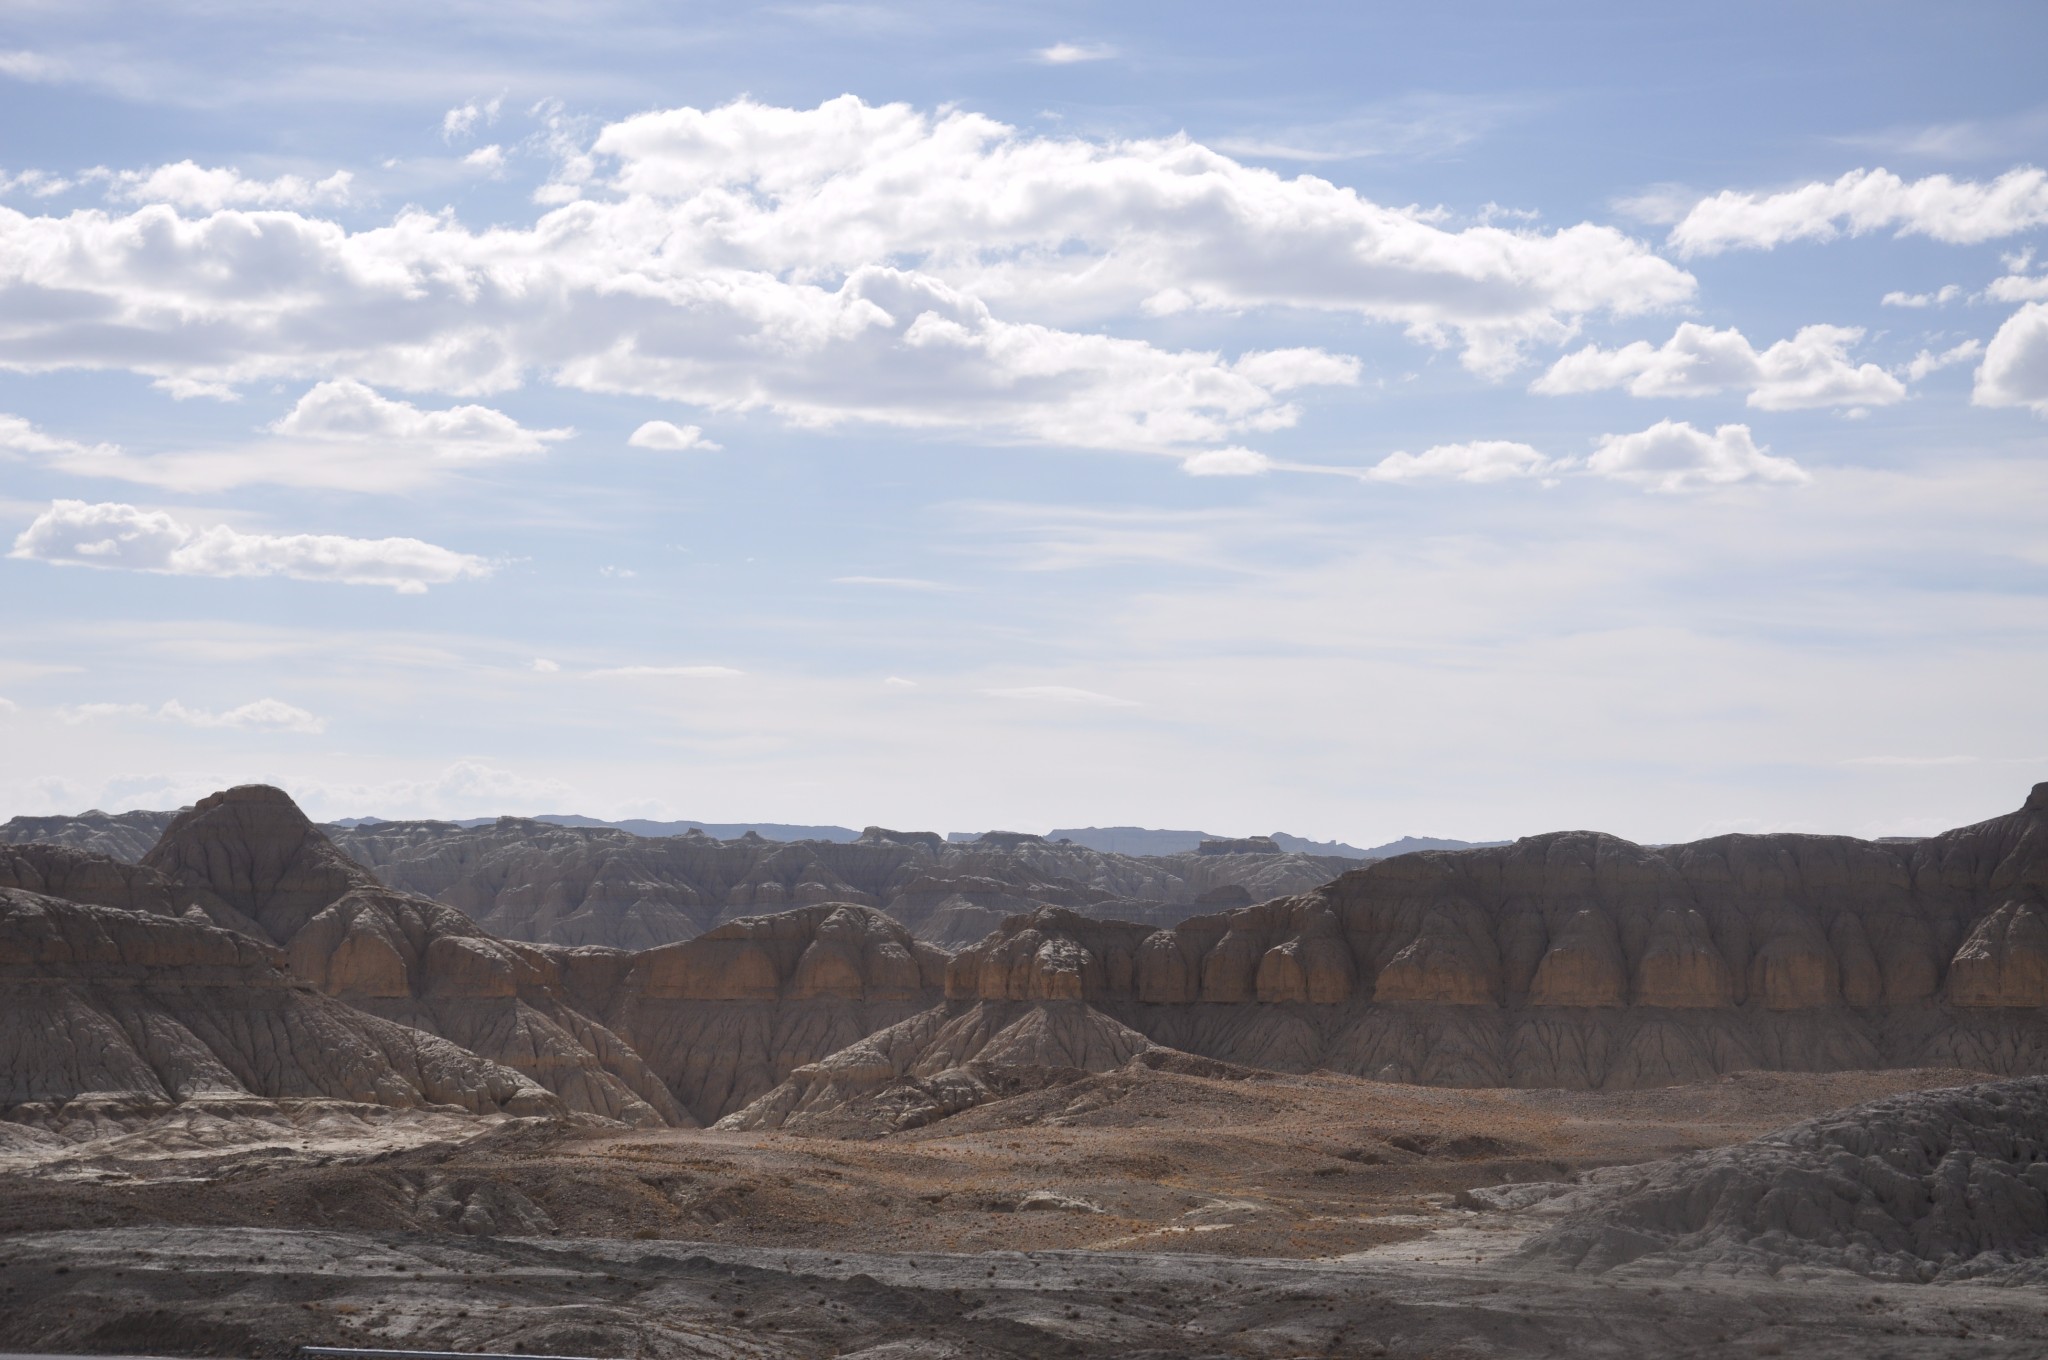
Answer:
(545, 883)
(262, 1084)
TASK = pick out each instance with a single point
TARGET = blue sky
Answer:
(1350, 420)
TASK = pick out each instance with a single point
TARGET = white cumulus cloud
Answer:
(340, 434)
(846, 264)
(1673, 456)
(1927, 361)
(1074, 228)
(1232, 462)
(2019, 283)
(35, 183)
(1484, 460)
(1940, 297)
(209, 189)
(108, 535)
(344, 411)
(19, 436)
(464, 119)
(2015, 367)
(1957, 212)
(1811, 369)
(661, 434)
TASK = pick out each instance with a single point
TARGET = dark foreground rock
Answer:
(251, 1292)
(1932, 1185)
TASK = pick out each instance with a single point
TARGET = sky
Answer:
(1356, 420)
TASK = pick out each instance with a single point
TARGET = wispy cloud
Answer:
(1067, 54)
(261, 715)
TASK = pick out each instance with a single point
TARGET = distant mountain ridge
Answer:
(1114, 840)
(127, 835)
(1142, 840)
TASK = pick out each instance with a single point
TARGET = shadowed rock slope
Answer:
(1939, 1185)
(1576, 960)
(107, 1012)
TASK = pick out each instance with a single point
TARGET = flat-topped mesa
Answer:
(1239, 845)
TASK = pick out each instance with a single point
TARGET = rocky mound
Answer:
(1933, 1185)
(106, 1013)
(404, 958)
(940, 1062)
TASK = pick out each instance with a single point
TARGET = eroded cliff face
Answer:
(81, 876)
(1582, 960)
(726, 1016)
(730, 1013)
(406, 959)
(105, 1010)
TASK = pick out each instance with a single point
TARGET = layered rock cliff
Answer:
(730, 1013)
(1581, 960)
(128, 1011)
(404, 958)
(726, 1016)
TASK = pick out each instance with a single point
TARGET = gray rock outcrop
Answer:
(1935, 1185)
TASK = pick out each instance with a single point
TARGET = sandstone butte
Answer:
(1572, 959)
